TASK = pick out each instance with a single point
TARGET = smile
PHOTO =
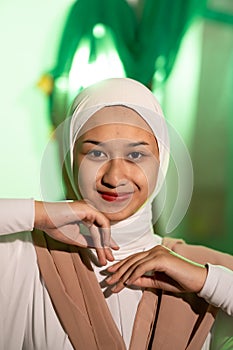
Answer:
(113, 196)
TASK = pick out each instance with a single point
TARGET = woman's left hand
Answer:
(159, 268)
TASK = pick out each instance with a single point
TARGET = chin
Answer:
(117, 217)
(114, 218)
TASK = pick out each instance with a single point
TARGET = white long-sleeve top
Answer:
(16, 215)
(27, 317)
(218, 288)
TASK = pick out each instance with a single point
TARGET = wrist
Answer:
(203, 275)
(39, 219)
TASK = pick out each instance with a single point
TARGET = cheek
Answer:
(81, 177)
(86, 176)
(154, 175)
(147, 176)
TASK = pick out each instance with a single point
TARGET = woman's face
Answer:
(116, 164)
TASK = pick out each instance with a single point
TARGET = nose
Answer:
(114, 173)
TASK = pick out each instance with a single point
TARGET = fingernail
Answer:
(110, 268)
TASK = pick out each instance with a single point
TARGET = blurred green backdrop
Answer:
(197, 100)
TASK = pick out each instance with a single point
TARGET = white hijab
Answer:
(129, 233)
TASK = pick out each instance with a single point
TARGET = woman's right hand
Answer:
(61, 221)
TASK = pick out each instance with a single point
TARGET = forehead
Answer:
(116, 118)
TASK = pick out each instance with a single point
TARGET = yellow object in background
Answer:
(46, 84)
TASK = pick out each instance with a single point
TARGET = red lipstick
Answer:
(109, 196)
(113, 196)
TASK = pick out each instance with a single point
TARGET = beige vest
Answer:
(163, 321)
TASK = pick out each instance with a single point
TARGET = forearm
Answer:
(16, 215)
(204, 255)
(41, 215)
(218, 288)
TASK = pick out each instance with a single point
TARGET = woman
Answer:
(117, 159)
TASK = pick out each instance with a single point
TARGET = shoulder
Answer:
(203, 255)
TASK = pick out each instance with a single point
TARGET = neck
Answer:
(134, 233)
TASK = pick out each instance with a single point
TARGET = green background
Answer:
(197, 100)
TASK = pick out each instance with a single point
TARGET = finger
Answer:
(113, 268)
(108, 254)
(107, 241)
(101, 254)
(143, 267)
(157, 260)
(150, 273)
(158, 281)
(96, 237)
(119, 281)
(105, 236)
(144, 282)
(113, 244)
(96, 217)
(104, 254)
(125, 266)
(102, 223)
(97, 244)
(129, 261)
(142, 272)
(116, 270)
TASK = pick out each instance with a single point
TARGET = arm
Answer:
(159, 268)
(60, 220)
(203, 255)
(218, 288)
(16, 215)
(164, 269)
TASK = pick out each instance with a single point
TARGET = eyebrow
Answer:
(92, 141)
(132, 144)
(139, 143)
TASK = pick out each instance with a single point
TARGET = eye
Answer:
(135, 155)
(96, 154)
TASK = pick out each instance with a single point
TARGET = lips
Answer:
(113, 196)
